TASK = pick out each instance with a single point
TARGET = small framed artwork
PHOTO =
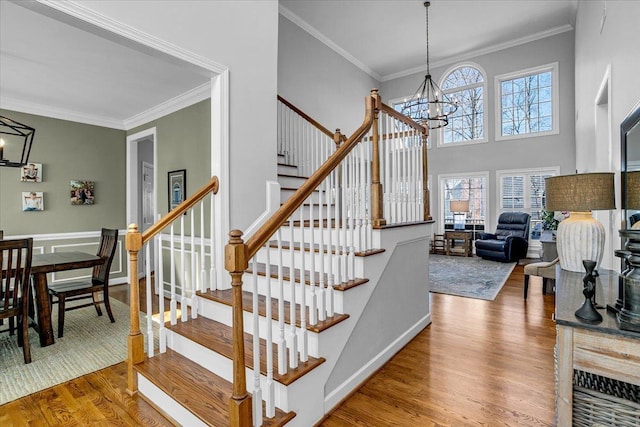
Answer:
(177, 187)
(31, 172)
(32, 201)
(82, 192)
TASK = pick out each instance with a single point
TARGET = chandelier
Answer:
(24, 132)
(429, 104)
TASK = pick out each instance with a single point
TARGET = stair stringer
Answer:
(348, 365)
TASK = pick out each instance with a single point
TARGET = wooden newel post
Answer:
(377, 211)
(425, 172)
(135, 341)
(236, 261)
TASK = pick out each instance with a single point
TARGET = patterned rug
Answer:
(470, 277)
(90, 343)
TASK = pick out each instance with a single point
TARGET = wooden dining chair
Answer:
(90, 288)
(15, 285)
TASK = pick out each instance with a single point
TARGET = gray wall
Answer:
(243, 36)
(532, 152)
(597, 138)
(183, 141)
(319, 81)
(618, 46)
(67, 151)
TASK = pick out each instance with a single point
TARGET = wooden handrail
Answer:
(210, 187)
(267, 230)
(404, 119)
(134, 241)
(306, 117)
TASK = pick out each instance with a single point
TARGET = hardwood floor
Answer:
(479, 363)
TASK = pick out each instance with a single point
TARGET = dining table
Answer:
(41, 265)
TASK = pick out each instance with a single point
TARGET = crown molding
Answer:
(479, 52)
(184, 100)
(62, 114)
(109, 27)
(325, 40)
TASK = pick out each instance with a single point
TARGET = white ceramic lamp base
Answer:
(580, 237)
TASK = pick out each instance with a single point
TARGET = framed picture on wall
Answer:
(82, 192)
(31, 172)
(177, 187)
(32, 201)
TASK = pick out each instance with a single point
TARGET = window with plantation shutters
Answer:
(523, 191)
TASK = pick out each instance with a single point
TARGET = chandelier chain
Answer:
(426, 7)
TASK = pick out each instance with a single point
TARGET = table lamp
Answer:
(633, 196)
(580, 237)
(459, 209)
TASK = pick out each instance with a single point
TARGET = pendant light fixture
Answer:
(429, 103)
(17, 132)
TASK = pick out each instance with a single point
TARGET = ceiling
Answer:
(55, 68)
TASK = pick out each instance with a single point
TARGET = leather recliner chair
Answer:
(510, 241)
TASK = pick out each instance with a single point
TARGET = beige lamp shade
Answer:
(633, 190)
(580, 237)
(459, 206)
(580, 192)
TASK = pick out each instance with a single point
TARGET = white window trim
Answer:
(555, 101)
(485, 117)
(391, 102)
(441, 189)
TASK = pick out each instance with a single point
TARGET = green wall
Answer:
(67, 151)
(183, 141)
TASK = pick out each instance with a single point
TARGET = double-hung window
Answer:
(472, 187)
(527, 103)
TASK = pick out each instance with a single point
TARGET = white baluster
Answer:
(173, 304)
(313, 304)
(213, 274)
(149, 283)
(282, 344)
(270, 386)
(257, 391)
(160, 281)
(203, 274)
(303, 292)
(183, 267)
(293, 337)
(194, 271)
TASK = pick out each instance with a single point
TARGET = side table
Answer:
(450, 236)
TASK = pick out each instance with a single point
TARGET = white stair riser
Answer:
(291, 181)
(285, 193)
(318, 259)
(263, 282)
(286, 169)
(218, 312)
(223, 366)
(169, 406)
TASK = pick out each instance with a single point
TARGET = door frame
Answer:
(132, 181)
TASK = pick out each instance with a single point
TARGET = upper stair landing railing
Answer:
(302, 141)
(191, 268)
(387, 150)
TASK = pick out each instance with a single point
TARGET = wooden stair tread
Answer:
(218, 337)
(262, 271)
(316, 248)
(225, 297)
(199, 390)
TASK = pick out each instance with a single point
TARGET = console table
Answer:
(450, 236)
(597, 365)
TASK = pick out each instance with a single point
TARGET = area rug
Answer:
(470, 277)
(90, 343)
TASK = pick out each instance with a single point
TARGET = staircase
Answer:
(321, 296)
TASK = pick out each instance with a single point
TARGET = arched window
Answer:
(465, 84)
